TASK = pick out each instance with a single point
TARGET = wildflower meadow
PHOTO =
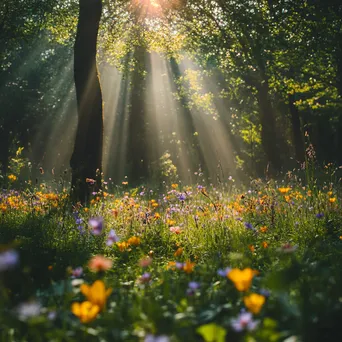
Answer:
(179, 263)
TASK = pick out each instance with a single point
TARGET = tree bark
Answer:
(269, 139)
(86, 160)
(296, 130)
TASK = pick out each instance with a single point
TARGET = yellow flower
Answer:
(263, 229)
(171, 265)
(97, 293)
(174, 186)
(254, 302)
(188, 267)
(178, 252)
(330, 193)
(284, 190)
(242, 279)
(12, 178)
(85, 311)
(122, 246)
(134, 241)
(332, 199)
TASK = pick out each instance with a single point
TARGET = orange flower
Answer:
(99, 263)
(251, 248)
(188, 267)
(284, 190)
(263, 229)
(85, 311)
(171, 265)
(12, 178)
(174, 186)
(97, 293)
(242, 279)
(178, 252)
(264, 244)
(134, 241)
(254, 302)
(332, 199)
(122, 246)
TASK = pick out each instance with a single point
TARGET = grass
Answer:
(168, 272)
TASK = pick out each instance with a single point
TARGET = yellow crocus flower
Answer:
(242, 279)
(254, 302)
(85, 311)
(97, 293)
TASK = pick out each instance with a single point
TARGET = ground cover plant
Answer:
(196, 263)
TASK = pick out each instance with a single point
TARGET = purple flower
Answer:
(182, 197)
(244, 322)
(265, 293)
(77, 272)
(179, 265)
(192, 287)
(223, 272)
(112, 238)
(96, 224)
(8, 259)
(145, 278)
(319, 215)
(249, 226)
(152, 338)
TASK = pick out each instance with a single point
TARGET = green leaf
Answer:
(212, 332)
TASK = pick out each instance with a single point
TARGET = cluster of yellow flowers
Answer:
(96, 295)
(242, 280)
(132, 241)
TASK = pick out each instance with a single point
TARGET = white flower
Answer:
(28, 310)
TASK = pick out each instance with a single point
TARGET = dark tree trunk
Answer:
(296, 129)
(269, 138)
(339, 88)
(137, 153)
(86, 160)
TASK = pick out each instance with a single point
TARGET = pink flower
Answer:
(99, 263)
(176, 230)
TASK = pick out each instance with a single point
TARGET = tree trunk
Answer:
(268, 127)
(296, 129)
(86, 160)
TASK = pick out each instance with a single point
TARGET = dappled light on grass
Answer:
(129, 261)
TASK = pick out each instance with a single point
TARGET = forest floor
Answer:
(186, 263)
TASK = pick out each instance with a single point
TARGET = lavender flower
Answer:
(152, 338)
(223, 272)
(145, 278)
(244, 322)
(112, 238)
(249, 226)
(8, 259)
(320, 215)
(182, 197)
(77, 272)
(96, 224)
(193, 286)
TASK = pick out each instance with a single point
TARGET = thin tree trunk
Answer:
(296, 129)
(86, 160)
(269, 138)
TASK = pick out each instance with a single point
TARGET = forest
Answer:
(170, 170)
